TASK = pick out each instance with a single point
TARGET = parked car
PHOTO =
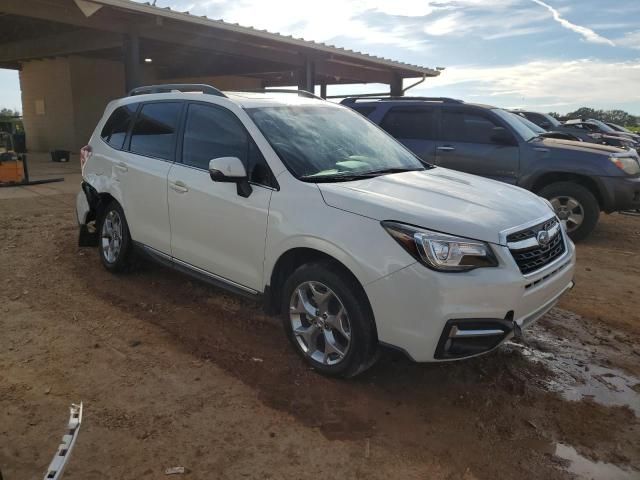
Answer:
(601, 128)
(586, 133)
(621, 129)
(580, 179)
(541, 132)
(323, 216)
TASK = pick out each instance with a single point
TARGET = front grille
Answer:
(531, 232)
(535, 257)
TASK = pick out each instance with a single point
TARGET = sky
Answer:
(547, 55)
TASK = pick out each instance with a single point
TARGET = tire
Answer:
(353, 335)
(114, 244)
(568, 199)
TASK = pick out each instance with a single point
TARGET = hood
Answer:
(439, 199)
(586, 147)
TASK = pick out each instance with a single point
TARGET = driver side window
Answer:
(212, 132)
(466, 126)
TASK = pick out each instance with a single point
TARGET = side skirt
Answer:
(197, 273)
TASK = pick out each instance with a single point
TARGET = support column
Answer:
(132, 70)
(323, 90)
(306, 76)
(396, 86)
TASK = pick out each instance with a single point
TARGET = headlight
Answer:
(440, 251)
(628, 165)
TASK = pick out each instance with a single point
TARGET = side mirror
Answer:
(231, 170)
(501, 136)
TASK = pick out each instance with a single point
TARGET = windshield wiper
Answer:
(350, 176)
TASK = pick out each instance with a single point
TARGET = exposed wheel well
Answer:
(289, 262)
(554, 177)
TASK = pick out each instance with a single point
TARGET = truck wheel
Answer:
(115, 245)
(327, 319)
(575, 205)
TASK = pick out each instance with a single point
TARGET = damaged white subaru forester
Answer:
(328, 220)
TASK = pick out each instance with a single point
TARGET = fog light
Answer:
(467, 337)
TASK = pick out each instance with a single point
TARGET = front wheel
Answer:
(327, 318)
(575, 205)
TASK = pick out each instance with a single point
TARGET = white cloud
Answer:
(588, 34)
(545, 82)
(631, 40)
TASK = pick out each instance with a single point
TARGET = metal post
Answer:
(323, 90)
(310, 76)
(132, 71)
(396, 86)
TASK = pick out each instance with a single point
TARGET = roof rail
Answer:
(181, 87)
(365, 97)
(300, 93)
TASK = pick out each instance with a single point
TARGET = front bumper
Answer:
(622, 193)
(415, 307)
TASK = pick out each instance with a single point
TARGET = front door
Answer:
(467, 144)
(212, 227)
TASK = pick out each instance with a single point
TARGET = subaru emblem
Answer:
(543, 238)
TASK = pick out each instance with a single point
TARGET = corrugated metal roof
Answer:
(167, 12)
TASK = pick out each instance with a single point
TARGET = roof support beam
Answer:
(132, 73)
(58, 45)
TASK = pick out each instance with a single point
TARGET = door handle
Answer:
(122, 167)
(446, 148)
(179, 187)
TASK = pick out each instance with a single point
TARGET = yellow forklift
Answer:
(13, 165)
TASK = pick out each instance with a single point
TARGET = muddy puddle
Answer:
(583, 467)
(579, 369)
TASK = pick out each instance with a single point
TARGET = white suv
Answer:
(310, 207)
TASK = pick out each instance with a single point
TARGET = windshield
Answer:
(603, 126)
(530, 124)
(514, 122)
(320, 143)
(552, 120)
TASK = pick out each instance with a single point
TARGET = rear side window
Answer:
(466, 126)
(116, 128)
(416, 123)
(213, 132)
(155, 131)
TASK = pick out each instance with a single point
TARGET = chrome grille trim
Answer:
(528, 248)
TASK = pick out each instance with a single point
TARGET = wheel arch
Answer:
(586, 181)
(295, 257)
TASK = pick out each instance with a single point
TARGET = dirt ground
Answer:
(176, 373)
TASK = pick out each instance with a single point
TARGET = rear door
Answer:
(467, 143)
(212, 227)
(415, 127)
(142, 172)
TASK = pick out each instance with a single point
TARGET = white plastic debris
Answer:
(174, 471)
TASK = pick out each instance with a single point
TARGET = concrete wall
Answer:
(47, 83)
(74, 92)
(94, 83)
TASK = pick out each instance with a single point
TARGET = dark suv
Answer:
(579, 179)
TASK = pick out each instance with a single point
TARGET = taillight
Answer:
(85, 155)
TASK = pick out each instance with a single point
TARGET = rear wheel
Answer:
(115, 245)
(575, 205)
(327, 319)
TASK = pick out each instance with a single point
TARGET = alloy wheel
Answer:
(568, 210)
(320, 323)
(111, 236)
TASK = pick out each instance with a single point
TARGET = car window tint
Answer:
(115, 129)
(465, 126)
(214, 132)
(363, 109)
(154, 133)
(410, 123)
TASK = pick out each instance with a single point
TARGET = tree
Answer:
(8, 112)
(619, 117)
